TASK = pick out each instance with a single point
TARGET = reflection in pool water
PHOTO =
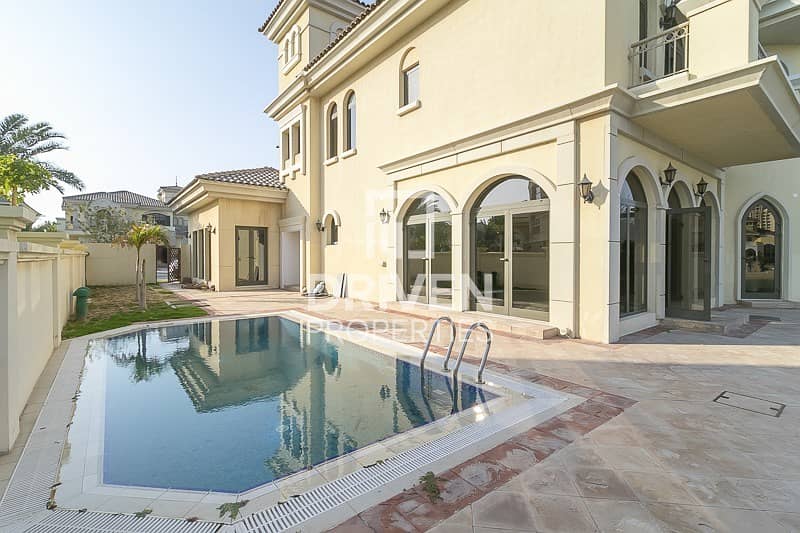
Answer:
(229, 405)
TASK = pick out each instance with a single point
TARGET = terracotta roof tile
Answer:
(262, 176)
(369, 8)
(118, 197)
(280, 2)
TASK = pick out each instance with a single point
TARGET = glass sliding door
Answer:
(428, 251)
(441, 261)
(530, 264)
(688, 280)
(416, 255)
(251, 256)
(761, 252)
(633, 258)
(490, 263)
(511, 257)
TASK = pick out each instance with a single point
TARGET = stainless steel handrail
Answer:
(488, 332)
(430, 339)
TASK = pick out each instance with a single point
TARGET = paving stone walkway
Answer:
(673, 461)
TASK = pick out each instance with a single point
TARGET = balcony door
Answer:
(688, 280)
(251, 256)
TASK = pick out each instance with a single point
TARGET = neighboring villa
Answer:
(595, 166)
(135, 206)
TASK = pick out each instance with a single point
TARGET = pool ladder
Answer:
(473, 327)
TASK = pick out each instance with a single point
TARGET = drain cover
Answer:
(750, 403)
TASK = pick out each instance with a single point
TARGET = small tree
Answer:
(137, 236)
(19, 177)
(104, 223)
(47, 226)
(26, 142)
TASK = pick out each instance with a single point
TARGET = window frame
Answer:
(406, 79)
(332, 133)
(350, 117)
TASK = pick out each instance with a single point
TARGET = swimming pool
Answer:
(228, 405)
(301, 420)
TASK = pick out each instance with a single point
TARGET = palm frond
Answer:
(11, 123)
(63, 176)
(44, 147)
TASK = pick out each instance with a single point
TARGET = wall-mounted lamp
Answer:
(320, 227)
(209, 228)
(586, 189)
(669, 175)
(701, 188)
(385, 215)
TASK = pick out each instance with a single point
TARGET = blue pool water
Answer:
(230, 405)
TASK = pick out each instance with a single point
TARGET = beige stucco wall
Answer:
(224, 215)
(779, 183)
(109, 264)
(36, 285)
(499, 103)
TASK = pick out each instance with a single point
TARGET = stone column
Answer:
(12, 221)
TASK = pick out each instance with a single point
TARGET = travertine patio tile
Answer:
(513, 456)
(790, 521)
(561, 514)
(658, 487)
(384, 518)
(458, 523)
(541, 443)
(543, 480)
(623, 517)
(601, 483)
(629, 458)
(504, 510)
(483, 474)
(686, 518)
(745, 520)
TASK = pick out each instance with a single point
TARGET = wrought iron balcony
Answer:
(664, 54)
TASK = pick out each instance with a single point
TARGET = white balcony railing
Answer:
(659, 56)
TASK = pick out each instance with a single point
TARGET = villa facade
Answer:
(597, 173)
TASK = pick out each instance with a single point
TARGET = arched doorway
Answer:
(633, 260)
(510, 238)
(688, 265)
(761, 251)
(428, 251)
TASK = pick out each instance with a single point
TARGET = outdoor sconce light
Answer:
(669, 175)
(384, 214)
(701, 188)
(586, 190)
(320, 227)
(209, 228)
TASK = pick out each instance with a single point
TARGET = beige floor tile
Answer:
(543, 479)
(658, 487)
(601, 483)
(561, 514)
(622, 517)
(504, 510)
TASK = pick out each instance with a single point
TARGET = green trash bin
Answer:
(81, 295)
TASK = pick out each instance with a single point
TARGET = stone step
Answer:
(497, 323)
(770, 304)
(718, 325)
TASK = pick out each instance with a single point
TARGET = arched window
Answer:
(428, 251)
(632, 247)
(510, 259)
(350, 122)
(761, 251)
(409, 78)
(332, 230)
(333, 130)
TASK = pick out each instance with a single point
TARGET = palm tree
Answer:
(138, 236)
(29, 141)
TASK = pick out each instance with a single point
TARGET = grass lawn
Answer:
(115, 307)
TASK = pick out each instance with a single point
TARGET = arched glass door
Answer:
(632, 247)
(428, 251)
(761, 251)
(511, 250)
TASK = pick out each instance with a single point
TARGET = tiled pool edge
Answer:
(600, 408)
(413, 511)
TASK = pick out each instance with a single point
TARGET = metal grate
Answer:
(750, 403)
(289, 515)
(88, 522)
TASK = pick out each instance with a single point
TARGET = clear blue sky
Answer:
(145, 90)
